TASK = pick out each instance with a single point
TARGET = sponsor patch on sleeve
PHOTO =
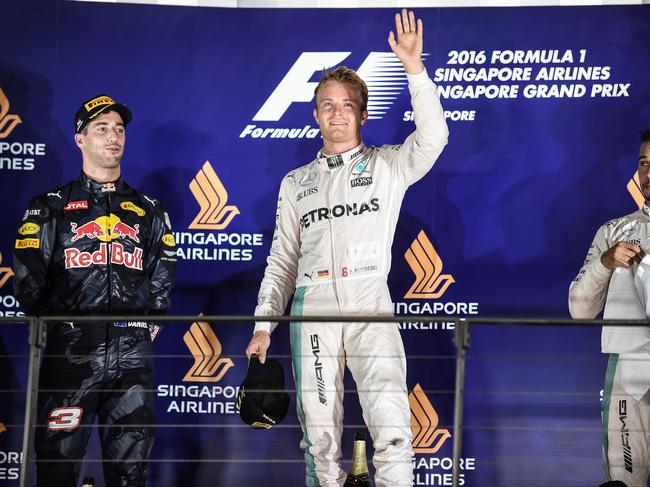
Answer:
(28, 243)
(34, 212)
(168, 239)
(29, 228)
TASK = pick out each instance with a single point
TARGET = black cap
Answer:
(96, 106)
(259, 404)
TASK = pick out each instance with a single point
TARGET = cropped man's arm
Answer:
(588, 290)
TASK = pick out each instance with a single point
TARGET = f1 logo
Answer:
(296, 87)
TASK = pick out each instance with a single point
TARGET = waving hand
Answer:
(408, 45)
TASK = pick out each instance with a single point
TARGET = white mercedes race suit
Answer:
(335, 223)
(624, 293)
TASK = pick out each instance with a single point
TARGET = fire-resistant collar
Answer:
(339, 159)
(96, 187)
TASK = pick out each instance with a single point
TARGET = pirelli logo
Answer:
(204, 345)
(426, 264)
(210, 193)
(427, 437)
(634, 188)
(100, 100)
(7, 122)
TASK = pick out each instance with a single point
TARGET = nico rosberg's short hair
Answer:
(645, 136)
(348, 76)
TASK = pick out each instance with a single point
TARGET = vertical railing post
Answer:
(37, 332)
(462, 344)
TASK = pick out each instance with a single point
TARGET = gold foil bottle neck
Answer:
(359, 463)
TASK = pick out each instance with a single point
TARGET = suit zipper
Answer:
(110, 253)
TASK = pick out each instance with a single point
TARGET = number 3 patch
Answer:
(65, 418)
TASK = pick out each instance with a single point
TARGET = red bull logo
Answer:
(126, 231)
(75, 258)
(105, 229)
(90, 230)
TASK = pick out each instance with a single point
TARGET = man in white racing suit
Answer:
(335, 222)
(616, 276)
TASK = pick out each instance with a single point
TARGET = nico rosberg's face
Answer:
(339, 116)
(644, 170)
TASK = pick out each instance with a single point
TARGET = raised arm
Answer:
(408, 45)
(416, 156)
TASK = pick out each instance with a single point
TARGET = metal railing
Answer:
(463, 327)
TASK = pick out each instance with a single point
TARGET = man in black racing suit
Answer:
(96, 246)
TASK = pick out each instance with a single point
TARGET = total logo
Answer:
(429, 438)
(382, 71)
(15, 155)
(105, 229)
(8, 303)
(214, 214)
(209, 366)
(430, 283)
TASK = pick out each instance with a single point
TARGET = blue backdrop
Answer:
(545, 106)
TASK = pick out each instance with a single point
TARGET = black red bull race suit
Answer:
(89, 248)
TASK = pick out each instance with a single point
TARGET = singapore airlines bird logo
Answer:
(7, 122)
(5, 273)
(427, 437)
(212, 197)
(634, 188)
(204, 345)
(426, 264)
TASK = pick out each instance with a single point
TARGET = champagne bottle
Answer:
(88, 482)
(358, 475)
